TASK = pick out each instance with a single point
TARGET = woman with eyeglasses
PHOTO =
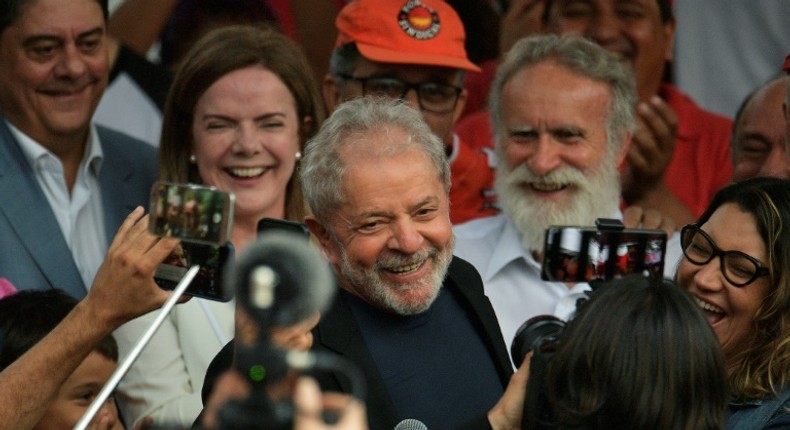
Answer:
(736, 265)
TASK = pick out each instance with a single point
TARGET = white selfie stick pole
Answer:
(119, 373)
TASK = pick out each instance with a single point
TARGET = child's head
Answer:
(25, 318)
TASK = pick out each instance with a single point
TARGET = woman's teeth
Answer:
(246, 172)
(708, 307)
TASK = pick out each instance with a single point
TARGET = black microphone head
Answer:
(410, 424)
(281, 279)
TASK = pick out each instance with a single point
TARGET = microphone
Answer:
(410, 424)
(281, 280)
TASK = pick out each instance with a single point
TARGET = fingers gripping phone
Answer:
(586, 254)
(202, 217)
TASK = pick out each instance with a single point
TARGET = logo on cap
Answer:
(418, 20)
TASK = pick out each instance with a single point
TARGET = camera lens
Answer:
(536, 334)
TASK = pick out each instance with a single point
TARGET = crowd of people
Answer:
(429, 204)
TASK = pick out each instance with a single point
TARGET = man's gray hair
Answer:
(580, 56)
(348, 131)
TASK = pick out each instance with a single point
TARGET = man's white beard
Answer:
(596, 194)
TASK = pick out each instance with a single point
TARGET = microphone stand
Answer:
(119, 373)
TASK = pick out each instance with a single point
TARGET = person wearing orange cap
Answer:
(414, 50)
(680, 155)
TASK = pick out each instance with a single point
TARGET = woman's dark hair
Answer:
(764, 366)
(638, 355)
(27, 316)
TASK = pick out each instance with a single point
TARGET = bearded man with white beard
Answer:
(563, 118)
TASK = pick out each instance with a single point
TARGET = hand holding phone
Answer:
(202, 217)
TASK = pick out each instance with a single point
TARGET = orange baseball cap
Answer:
(424, 32)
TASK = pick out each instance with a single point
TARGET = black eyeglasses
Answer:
(738, 268)
(436, 97)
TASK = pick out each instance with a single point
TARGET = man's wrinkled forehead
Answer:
(12, 10)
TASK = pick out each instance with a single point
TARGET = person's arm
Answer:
(521, 19)
(139, 23)
(649, 219)
(123, 289)
(507, 413)
(650, 153)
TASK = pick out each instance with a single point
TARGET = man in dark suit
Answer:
(65, 185)
(409, 314)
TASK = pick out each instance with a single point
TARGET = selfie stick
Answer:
(119, 373)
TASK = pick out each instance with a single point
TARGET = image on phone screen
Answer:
(191, 212)
(584, 254)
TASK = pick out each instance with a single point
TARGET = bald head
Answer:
(758, 135)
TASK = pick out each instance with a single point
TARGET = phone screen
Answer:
(584, 254)
(208, 281)
(193, 213)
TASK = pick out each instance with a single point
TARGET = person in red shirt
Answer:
(414, 51)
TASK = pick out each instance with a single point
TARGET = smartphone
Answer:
(208, 281)
(192, 213)
(202, 217)
(270, 224)
(586, 254)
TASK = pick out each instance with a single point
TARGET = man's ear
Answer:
(325, 240)
(459, 107)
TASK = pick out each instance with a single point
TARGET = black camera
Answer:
(540, 335)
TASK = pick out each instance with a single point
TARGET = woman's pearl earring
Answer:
(298, 155)
(192, 159)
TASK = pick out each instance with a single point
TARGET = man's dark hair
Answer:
(11, 10)
(27, 316)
